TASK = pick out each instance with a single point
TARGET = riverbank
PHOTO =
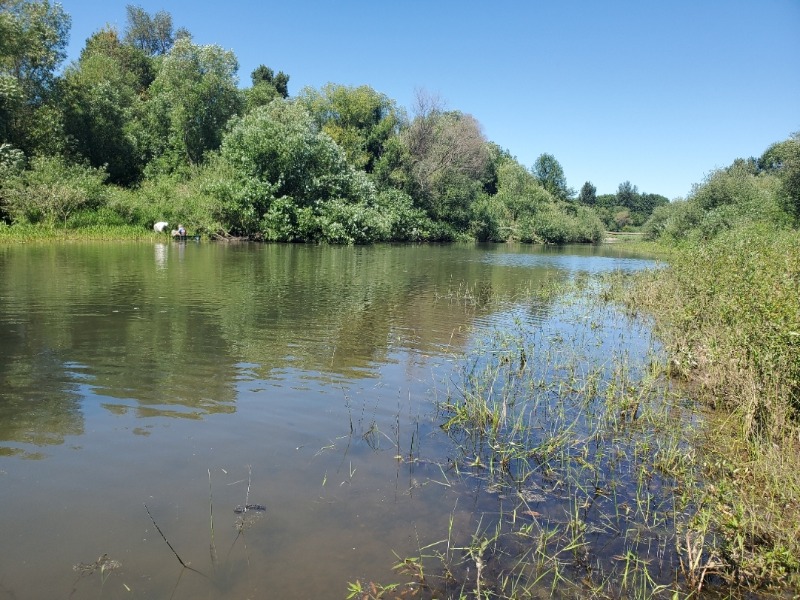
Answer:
(729, 313)
(20, 234)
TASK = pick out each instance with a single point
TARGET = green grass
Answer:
(20, 234)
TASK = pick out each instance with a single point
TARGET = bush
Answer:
(53, 190)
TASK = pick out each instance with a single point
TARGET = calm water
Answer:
(177, 378)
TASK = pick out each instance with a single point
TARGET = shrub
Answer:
(53, 190)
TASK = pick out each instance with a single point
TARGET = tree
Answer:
(102, 105)
(266, 87)
(359, 119)
(627, 195)
(783, 160)
(448, 161)
(588, 194)
(151, 34)
(281, 165)
(550, 174)
(33, 39)
(192, 98)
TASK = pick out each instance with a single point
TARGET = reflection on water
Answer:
(220, 375)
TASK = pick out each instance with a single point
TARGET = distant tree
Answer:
(588, 194)
(151, 34)
(264, 75)
(281, 83)
(267, 86)
(551, 175)
(627, 195)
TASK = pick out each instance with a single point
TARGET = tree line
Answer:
(146, 125)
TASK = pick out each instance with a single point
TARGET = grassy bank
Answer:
(20, 234)
(729, 313)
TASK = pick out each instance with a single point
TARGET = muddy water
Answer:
(187, 379)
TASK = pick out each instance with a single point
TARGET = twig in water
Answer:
(212, 546)
(180, 560)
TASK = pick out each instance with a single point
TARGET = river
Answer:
(148, 391)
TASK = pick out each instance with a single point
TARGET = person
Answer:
(181, 230)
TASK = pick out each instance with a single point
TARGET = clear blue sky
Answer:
(655, 92)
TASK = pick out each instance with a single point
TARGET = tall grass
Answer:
(729, 313)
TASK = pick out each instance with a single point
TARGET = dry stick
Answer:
(180, 560)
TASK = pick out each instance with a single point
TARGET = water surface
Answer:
(186, 379)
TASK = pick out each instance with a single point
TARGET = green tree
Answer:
(588, 194)
(193, 97)
(102, 105)
(783, 159)
(551, 175)
(33, 39)
(266, 87)
(627, 195)
(153, 35)
(359, 119)
(283, 169)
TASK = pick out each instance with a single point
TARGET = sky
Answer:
(656, 92)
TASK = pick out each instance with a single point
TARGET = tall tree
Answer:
(448, 161)
(102, 105)
(550, 174)
(588, 194)
(266, 87)
(33, 39)
(151, 34)
(628, 195)
(192, 98)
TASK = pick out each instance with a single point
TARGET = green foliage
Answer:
(101, 106)
(360, 120)
(33, 39)
(490, 218)
(555, 224)
(783, 160)
(52, 190)
(550, 174)
(193, 97)
(153, 35)
(728, 198)
(588, 194)
(291, 182)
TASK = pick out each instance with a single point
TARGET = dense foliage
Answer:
(162, 130)
(148, 126)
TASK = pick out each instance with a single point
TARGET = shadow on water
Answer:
(336, 388)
